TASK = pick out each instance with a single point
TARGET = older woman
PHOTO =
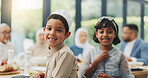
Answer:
(39, 49)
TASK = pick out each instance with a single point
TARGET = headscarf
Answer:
(39, 31)
(86, 46)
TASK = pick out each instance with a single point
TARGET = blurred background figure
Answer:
(39, 49)
(5, 44)
(81, 46)
(135, 49)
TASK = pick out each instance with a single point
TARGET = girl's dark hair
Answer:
(61, 18)
(107, 23)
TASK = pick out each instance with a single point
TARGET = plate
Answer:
(136, 68)
(135, 63)
(10, 72)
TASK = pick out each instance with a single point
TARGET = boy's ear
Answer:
(44, 29)
(96, 34)
(67, 35)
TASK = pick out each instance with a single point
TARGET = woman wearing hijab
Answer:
(39, 49)
(81, 46)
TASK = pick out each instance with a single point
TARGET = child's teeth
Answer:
(52, 39)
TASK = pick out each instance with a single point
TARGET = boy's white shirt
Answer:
(61, 63)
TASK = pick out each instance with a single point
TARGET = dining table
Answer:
(141, 72)
(20, 73)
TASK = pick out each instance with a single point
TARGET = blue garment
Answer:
(139, 51)
(116, 66)
(76, 50)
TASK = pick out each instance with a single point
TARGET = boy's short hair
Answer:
(61, 18)
(107, 23)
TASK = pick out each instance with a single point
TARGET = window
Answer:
(27, 16)
(69, 6)
(133, 14)
(146, 23)
(91, 11)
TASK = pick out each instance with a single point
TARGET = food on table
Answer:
(6, 68)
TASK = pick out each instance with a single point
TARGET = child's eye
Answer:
(101, 32)
(59, 30)
(48, 28)
(109, 31)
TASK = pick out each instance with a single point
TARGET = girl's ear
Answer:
(67, 35)
(115, 36)
(96, 34)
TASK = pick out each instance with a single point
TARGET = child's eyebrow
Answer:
(101, 29)
(48, 26)
(110, 28)
(60, 27)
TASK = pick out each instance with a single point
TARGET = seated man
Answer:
(5, 44)
(135, 49)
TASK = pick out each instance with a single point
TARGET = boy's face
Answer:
(55, 32)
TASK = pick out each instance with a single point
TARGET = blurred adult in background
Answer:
(81, 46)
(40, 48)
(135, 49)
(5, 44)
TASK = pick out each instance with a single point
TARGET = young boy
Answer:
(61, 60)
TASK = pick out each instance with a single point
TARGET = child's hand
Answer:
(104, 56)
(103, 75)
(39, 75)
(128, 59)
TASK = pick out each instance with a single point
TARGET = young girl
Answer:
(61, 60)
(105, 61)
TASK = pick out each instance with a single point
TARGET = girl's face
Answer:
(82, 37)
(105, 36)
(55, 32)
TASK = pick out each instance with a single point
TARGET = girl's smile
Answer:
(105, 36)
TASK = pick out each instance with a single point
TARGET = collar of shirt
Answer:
(132, 42)
(2, 44)
(111, 52)
(55, 49)
(128, 48)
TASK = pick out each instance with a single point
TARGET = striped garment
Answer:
(115, 66)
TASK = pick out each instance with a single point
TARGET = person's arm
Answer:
(64, 66)
(90, 69)
(85, 65)
(125, 71)
(143, 54)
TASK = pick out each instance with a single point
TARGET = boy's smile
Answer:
(54, 32)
